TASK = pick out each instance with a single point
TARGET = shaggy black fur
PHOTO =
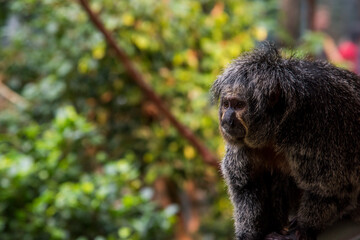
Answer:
(293, 143)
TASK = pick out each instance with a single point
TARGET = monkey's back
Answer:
(325, 121)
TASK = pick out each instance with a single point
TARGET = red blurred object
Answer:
(349, 51)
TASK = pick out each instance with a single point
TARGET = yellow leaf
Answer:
(83, 66)
(234, 49)
(124, 232)
(87, 187)
(260, 33)
(99, 51)
(128, 19)
(178, 59)
(141, 41)
(189, 152)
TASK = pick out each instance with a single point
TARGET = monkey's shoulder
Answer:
(257, 160)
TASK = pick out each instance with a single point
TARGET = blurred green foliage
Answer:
(48, 193)
(80, 161)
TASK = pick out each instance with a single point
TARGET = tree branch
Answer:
(139, 79)
(10, 95)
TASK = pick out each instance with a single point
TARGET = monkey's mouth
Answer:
(233, 134)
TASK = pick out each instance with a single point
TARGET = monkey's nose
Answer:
(228, 126)
(229, 119)
(231, 122)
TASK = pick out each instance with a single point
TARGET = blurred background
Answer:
(85, 153)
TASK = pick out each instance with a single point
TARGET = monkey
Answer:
(291, 128)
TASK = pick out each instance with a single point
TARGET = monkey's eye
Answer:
(239, 105)
(226, 104)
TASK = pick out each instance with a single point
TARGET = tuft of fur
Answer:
(303, 121)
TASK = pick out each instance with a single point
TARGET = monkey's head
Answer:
(232, 114)
(252, 97)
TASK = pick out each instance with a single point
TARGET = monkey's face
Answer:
(254, 98)
(232, 125)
